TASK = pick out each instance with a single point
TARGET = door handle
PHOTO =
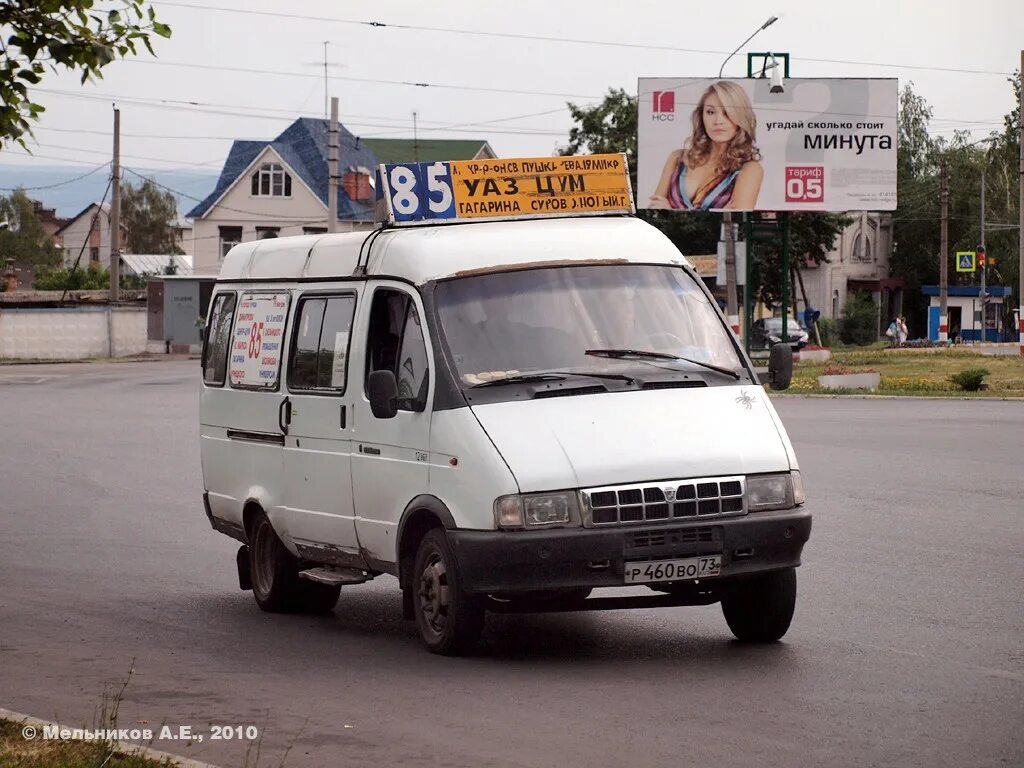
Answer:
(342, 420)
(284, 415)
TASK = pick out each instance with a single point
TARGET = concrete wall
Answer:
(72, 333)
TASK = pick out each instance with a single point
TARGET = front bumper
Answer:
(527, 561)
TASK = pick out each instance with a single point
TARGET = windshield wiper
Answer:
(641, 354)
(526, 378)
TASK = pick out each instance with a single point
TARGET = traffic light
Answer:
(981, 255)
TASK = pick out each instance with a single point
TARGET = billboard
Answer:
(821, 145)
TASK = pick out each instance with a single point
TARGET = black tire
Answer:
(759, 610)
(449, 621)
(274, 572)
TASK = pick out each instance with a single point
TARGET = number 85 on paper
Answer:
(421, 191)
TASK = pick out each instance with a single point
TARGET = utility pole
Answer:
(332, 171)
(326, 42)
(1020, 213)
(115, 213)
(943, 255)
(982, 296)
(730, 274)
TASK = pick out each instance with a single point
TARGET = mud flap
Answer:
(244, 574)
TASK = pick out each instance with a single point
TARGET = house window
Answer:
(263, 233)
(270, 180)
(314, 230)
(229, 238)
(94, 255)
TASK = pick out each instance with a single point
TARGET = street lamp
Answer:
(771, 20)
(730, 241)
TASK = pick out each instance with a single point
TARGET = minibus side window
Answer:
(396, 344)
(215, 362)
(320, 352)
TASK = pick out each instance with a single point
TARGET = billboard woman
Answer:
(718, 165)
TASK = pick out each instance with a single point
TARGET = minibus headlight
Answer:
(769, 492)
(537, 510)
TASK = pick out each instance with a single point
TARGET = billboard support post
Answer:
(785, 277)
(747, 321)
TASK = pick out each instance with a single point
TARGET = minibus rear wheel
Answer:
(275, 576)
(760, 609)
(450, 621)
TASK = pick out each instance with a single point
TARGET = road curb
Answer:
(95, 360)
(121, 747)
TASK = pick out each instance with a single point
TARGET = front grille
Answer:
(644, 539)
(697, 498)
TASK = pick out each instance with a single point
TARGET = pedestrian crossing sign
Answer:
(965, 261)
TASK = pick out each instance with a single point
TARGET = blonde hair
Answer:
(738, 109)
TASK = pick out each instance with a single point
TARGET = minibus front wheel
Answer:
(275, 576)
(760, 609)
(450, 621)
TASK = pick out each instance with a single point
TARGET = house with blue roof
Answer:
(279, 187)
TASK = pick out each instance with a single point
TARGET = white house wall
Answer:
(824, 281)
(77, 233)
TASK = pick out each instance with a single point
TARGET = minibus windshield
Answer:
(507, 323)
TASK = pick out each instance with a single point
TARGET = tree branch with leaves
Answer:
(80, 35)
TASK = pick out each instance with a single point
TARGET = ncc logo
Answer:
(664, 105)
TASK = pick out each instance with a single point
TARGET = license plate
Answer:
(647, 571)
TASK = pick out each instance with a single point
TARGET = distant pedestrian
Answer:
(901, 331)
(893, 332)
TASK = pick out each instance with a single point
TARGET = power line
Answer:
(373, 80)
(551, 39)
(59, 183)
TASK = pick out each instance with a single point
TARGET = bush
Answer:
(860, 320)
(92, 277)
(828, 330)
(969, 380)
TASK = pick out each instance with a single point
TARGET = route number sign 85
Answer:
(421, 191)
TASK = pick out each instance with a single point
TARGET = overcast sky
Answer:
(508, 90)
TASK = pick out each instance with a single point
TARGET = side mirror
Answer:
(780, 366)
(383, 391)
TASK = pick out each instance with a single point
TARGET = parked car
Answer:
(768, 331)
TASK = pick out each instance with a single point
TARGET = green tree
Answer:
(149, 216)
(611, 127)
(917, 221)
(23, 239)
(68, 34)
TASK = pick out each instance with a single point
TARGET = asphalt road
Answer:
(906, 649)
